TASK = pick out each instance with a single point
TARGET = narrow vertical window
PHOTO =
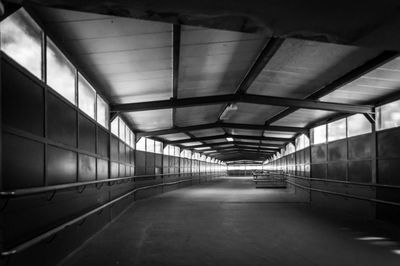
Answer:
(60, 72)
(337, 130)
(388, 115)
(102, 112)
(21, 39)
(86, 96)
(318, 134)
(358, 125)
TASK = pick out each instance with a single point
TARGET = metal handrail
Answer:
(344, 182)
(41, 237)
(38, 190)
(345, 195)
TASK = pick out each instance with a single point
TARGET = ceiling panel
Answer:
(173, 137)
(197, 115)
(279, 134)
(189, 144)
(214, 61)
(378, 83)
(208, 132)
(301, 67)
(216, 140)
(302, 117)
(253, 113)
(150, 120)
(247, 132)
(129, 59)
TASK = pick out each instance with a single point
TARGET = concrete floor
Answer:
(229, 222)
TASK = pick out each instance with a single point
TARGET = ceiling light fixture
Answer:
(229, 139)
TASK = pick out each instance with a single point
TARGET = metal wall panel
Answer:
(140, 162)
(360, 147)
(114, 148)
(61, 166)
(87, 168)
(318, 153)
(61, 119)
(319, 170)
(360, 171)
(337, 170)
(87, 134)
(22, 162)
(389, 142)
(22, 101)
(337, 150)
(103, 138)
(102, 169)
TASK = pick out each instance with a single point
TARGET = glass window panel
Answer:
(141, 144)
(166, 150)
(357, 125)
(337, 130)
(60, 72)
(150, 145)
(318, 134)
(388, 115)
(122, 129)
(21, 39)
(177, 151)
(114, 126)
(158, 147)
(86, 96)
(306, 141)
(102, 112)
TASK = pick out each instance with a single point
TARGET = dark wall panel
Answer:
(114, 170)
(337, 171)
(87, 134)
(102, 169)
(22, 101)
(389, 143)
(114, 148)
(360, 171)
(360, 147)
(388, 171)
(140, 163)
(318, 170)
(23, 165)
(337, 150)
(122, 152)
(102, 142)
(61, 121)
(87, 168)
(318, 153)
(61, 166)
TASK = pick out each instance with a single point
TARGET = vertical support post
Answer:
(374, 151)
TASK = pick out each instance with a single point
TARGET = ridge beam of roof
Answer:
(246, 98)
(219, 125)
(223, 136)
(277, 147)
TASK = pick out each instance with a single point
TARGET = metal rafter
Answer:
(276, 147)
(224, 136)
(247, 98)
(220, 125)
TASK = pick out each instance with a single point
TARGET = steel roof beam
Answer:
(219, 125)
(247, 98)
(224, 136)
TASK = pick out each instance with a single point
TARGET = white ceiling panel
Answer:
(150, 120)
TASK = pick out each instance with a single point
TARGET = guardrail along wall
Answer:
(47, 141)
